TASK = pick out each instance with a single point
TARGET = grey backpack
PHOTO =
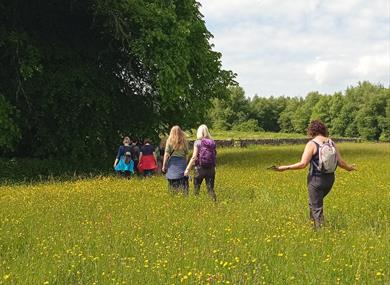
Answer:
(327, 157)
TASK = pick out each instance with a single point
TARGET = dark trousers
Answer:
(208, 174)
(318, 187)
(148, 172)
(124, 173)
(136, 166)
(175, 185)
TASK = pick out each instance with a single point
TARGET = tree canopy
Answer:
(77, 75)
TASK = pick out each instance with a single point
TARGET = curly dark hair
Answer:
(316, 128)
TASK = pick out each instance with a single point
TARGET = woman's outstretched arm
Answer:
(343, 164)
(306, 157)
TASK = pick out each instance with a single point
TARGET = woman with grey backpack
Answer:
(204, 158)
(324, 157)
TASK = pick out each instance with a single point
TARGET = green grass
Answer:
(114, 231)
(25, 170)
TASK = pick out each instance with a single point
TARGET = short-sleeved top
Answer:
(179, 153)
(147, 149)
(122, 150)
(197, 143)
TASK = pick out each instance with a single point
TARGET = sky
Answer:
(284, 47)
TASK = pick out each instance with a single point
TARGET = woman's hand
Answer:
(186, 172)
(352, 167)
(163, 170)
(281, 168)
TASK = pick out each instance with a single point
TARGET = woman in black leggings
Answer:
(324, 157)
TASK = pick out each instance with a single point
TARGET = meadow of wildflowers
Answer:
(108, 230)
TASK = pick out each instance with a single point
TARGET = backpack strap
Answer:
(312, 163)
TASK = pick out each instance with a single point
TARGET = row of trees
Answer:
(361, 111)
(76, 76)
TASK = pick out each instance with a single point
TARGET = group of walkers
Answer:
(132, 158)
(320, 152)
(172, 160)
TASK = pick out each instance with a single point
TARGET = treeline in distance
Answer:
(360, 111)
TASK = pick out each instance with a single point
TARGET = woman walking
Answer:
(175, 161)
(147, 159)
(323, 156)
(204, 158)
(123, 163)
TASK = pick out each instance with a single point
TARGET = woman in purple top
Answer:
(204, 158)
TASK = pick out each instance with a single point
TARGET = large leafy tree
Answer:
(370, 117)
(232, 110)
(301, 117)
(286, 116)
(80, 74)
(9, 131)
(321, 110)
(267, 111)
(384, 121)
(337, 127)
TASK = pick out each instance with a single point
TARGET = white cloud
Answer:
(329, 71)
(282, 47)
(372, 64)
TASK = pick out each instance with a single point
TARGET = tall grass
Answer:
(115, 231)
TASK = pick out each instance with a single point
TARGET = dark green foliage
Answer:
(363, 111)
(337, 126)
(384, 121)
(267, 111)
(321, 110)
(33, 170)
(302, 115)
(230, 111)
(369, 118)
(82, 74)
(286, 116)
(9, 132)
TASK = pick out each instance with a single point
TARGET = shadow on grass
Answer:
(27, 170)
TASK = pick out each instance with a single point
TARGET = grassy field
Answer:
(225, 135)
(113, 231)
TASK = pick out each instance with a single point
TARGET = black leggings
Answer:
(175, 185)
(208, 174)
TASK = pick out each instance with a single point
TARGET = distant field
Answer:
(223, 135)
(113, 231)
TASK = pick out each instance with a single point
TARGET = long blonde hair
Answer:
(177, 139)
(203, 132)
